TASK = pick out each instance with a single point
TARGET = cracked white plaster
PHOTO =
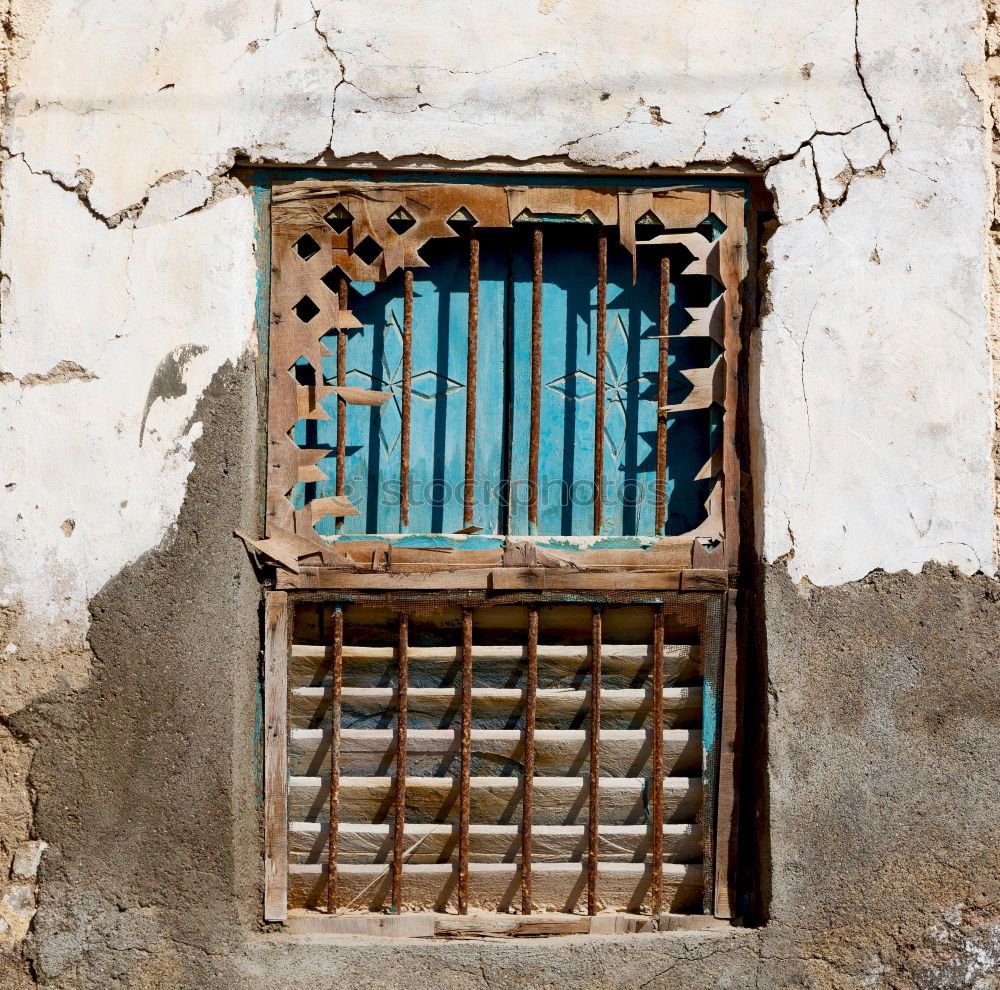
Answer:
(874, 428)
(114, 302)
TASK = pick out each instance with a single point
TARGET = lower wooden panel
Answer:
(556, 800)
(497, 887)
(483, 924)
(372, 844)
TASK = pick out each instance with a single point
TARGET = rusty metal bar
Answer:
(399, 824)
(404, 439)
(529, 760)
(470, 383)
(465, 795)
(336, 691)
(341, 401)
(656, 882)
(602, 330)
(594, 799)
(536, 378)
(661, 396)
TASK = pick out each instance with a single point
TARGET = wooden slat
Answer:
(558, 666)
(729, 207)
(495, 800)
(670, 553)
(496, 887)
(505, 578)
(727, 803)
(484, 924)
(275, 761)
(437, 843)
(436, 752)
(556, 708)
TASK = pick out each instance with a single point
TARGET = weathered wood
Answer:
(483, 924)
(727, 809)
(729, 207)
(275, 760)
(436, 752)
(438, 843)
(494, 666)
(495, 800)
(360, 396)
(496, 708)
(496, 886)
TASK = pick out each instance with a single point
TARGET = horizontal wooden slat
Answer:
(496, 887)
(435, 752)
(493, 666)
(485, 924)
(506, 578)
(492, 843)
(557, 800)
(557, 708)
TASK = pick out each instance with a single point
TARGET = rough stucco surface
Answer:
(129, 413)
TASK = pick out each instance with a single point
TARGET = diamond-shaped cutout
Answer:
(305, 309)
(431, 385)
(305, 247)
(368, 250)
(649, 217)
(400, 221)
(332, 279)
(303, 372)
(339, 218)
(461, 219)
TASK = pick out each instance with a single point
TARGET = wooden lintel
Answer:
(510, 579)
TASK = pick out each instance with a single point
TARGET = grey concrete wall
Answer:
(874, 772)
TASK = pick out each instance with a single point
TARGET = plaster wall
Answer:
(129, 411)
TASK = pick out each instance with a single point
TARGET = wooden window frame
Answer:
(306, 564)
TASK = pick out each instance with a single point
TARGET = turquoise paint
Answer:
(709, 720)
(568, 366)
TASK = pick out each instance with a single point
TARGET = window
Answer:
(502, 505)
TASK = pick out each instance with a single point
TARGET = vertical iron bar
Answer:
(536, 378)
(602, 329)
(465, 798)
(657, 816)
(470, 382)
(529, 760)
(404, 440)
(336, 691)
(662, 375)
(341, 401)
(594, 809)
(402, 687)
